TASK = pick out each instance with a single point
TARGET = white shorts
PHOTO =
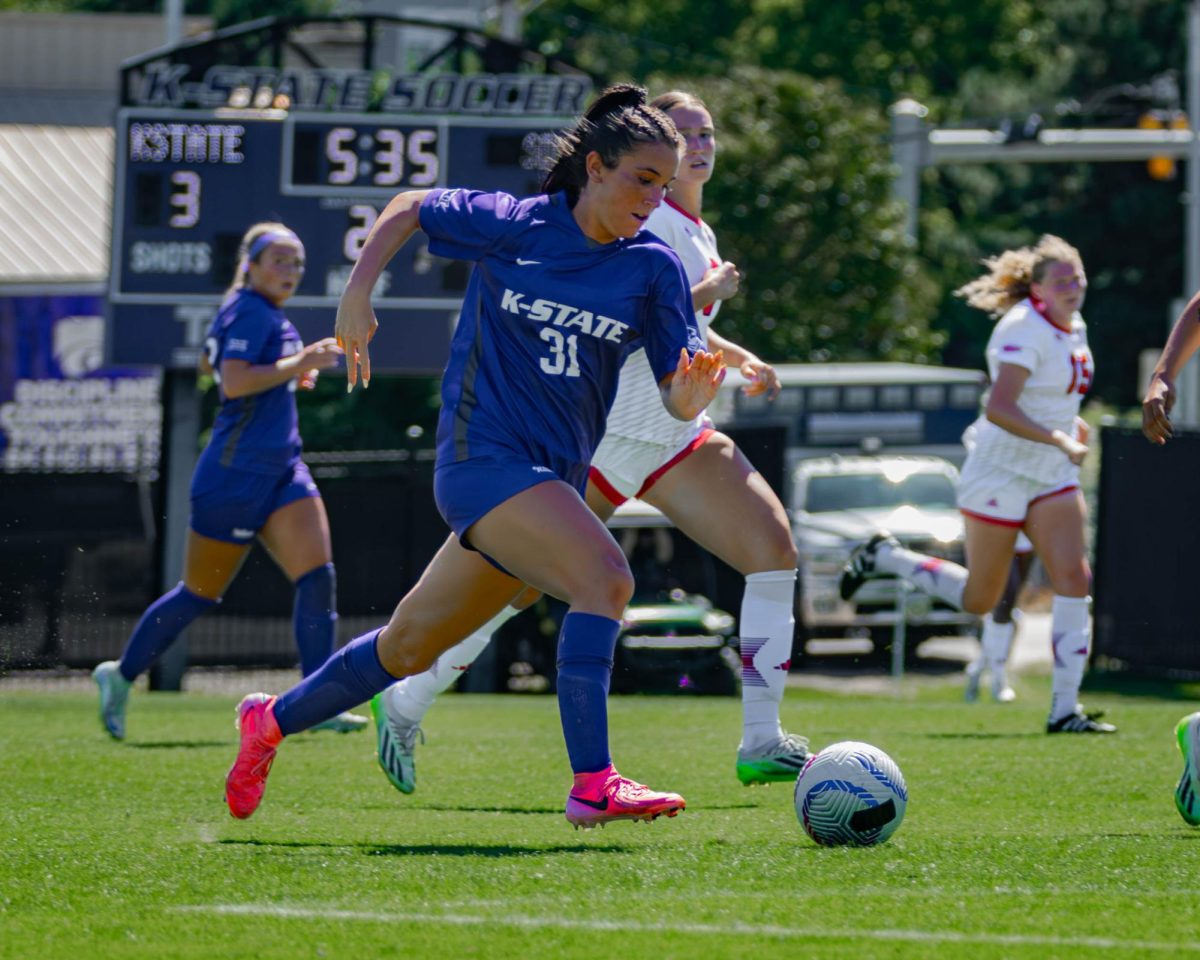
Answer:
(995, 495)
(624, 468)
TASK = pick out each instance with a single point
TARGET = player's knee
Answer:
(404, 650)
(607, 589)
(978, 602)
(781, 549)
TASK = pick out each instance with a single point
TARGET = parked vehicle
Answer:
(840, 501)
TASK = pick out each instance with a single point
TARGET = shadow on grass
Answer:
(488, 850)
(178, 744)
(982, 735)
(540, 811)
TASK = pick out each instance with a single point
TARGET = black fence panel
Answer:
(78, 565)
(1148, 554)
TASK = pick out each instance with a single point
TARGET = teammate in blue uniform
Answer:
(250, 481)
(562, 290)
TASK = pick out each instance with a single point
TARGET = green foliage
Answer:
(801, 201)
(972, 65)
(1015, 845)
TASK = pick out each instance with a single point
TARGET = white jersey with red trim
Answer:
(638, 409)
(1060, 373)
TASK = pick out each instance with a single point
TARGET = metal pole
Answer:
(900, 630)
(173, 12)
(181, 428)
(909, 145)
(1187, 408)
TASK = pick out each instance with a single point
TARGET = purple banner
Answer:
(61, 411)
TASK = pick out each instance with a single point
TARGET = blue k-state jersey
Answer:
(547, 320)
(258, 432)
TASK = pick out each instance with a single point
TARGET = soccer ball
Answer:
(852, 794)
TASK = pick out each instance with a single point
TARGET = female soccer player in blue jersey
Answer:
(694, 474)
(250, 481)
(562, 291)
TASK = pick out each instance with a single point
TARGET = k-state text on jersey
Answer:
(564, 315)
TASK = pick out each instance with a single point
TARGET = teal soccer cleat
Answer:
(114, 694)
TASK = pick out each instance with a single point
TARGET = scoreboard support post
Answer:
(181, 433)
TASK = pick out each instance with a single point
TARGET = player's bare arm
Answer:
(1160, 395)
(760, 375)
(356, 323)
(240, 378)
(1004, 412)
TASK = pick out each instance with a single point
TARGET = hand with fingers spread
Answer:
(353, 331)
(694, 383)
(1156, 410)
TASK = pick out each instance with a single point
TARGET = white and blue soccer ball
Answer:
(850, 794)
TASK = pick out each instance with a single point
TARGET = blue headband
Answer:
(264, 240)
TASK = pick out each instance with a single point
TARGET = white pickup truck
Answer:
(840, 501)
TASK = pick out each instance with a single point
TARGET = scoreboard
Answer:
(189, 182)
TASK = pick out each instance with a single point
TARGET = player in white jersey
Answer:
(1023, 473)
(695, 475)
(1156, 425)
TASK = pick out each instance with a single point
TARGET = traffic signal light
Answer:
(1162, 168)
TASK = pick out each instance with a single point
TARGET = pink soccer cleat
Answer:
(247, 778)
(605, 795)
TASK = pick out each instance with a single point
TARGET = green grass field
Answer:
(1015, 844)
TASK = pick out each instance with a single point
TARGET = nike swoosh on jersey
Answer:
(526, 263)
(594, 804)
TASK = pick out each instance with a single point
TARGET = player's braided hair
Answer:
(1011, 275)
(619, 120)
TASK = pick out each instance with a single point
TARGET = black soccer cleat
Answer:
(1080, 722)
(861, 565)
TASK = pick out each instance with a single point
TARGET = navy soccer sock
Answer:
(585, 662)
(353, 674)
(314, 617)
(162, 622)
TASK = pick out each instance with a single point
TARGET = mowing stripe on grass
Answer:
(633, 926)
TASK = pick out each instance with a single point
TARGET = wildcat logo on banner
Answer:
(60, 410)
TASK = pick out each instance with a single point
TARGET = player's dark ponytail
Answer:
(616, 122)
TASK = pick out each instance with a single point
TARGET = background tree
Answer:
(802, 203)
(976, 64)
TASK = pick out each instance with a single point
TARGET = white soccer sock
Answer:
(938, 578)
(766, 627)
(413, 696)
(995, 639)
(1070, 639)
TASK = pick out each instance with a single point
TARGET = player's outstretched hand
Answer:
(1156, 411)
(353, 330)
(695, 382)
(761, 378)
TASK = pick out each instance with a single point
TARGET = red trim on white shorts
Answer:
(614, 496)
(1054, 493)
(995, 521)
(697, 442)
(611, 493)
